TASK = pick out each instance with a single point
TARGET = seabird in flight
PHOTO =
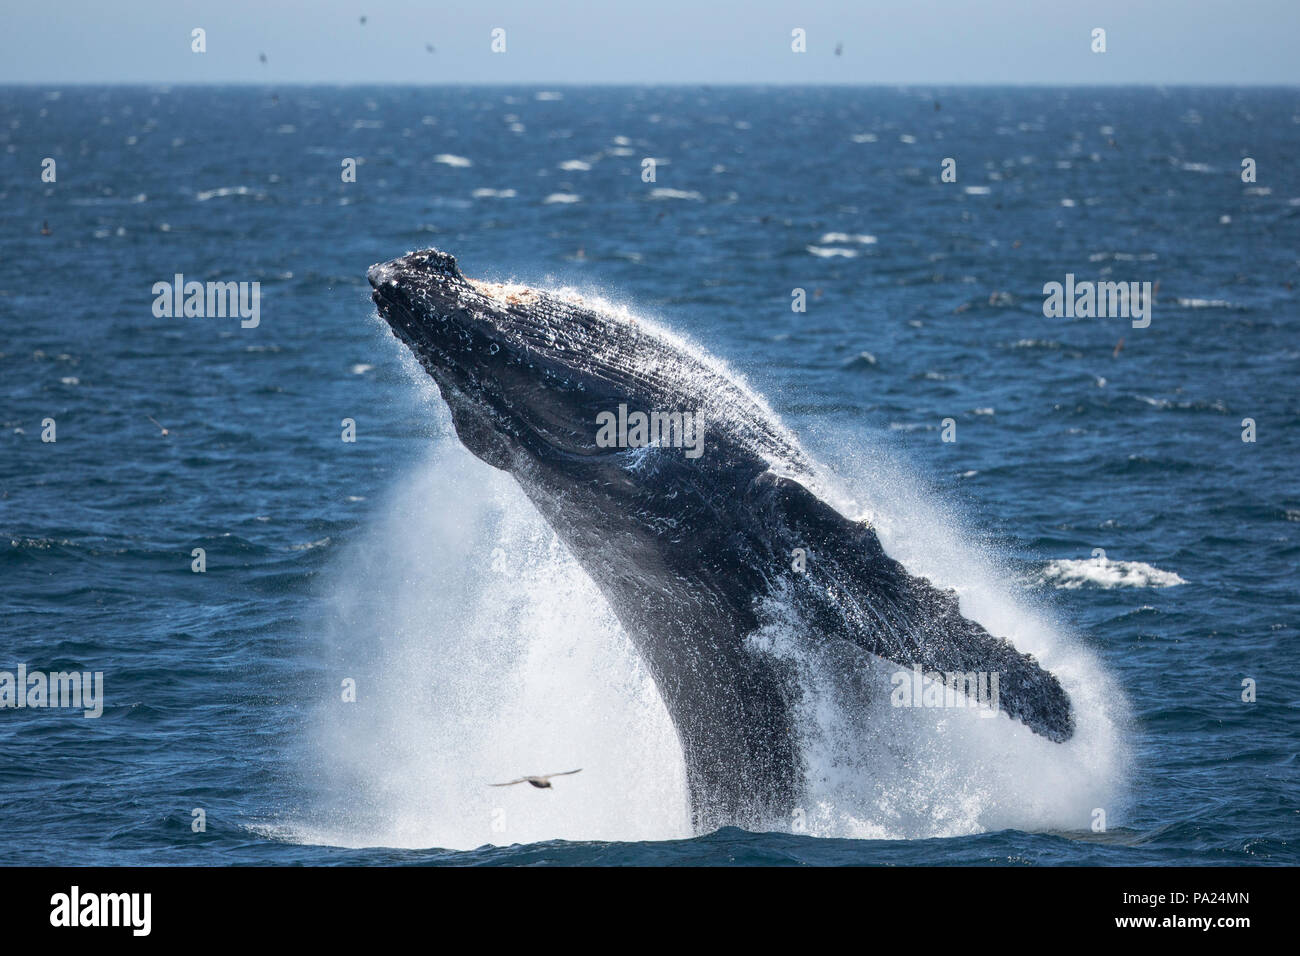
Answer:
(543, 783)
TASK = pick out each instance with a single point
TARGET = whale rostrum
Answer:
(686, 549)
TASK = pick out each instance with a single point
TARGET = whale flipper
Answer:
(900, 617)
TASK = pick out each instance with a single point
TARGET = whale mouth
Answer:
(440, 316)
(408, 293)
(433, 307)
(484, 343)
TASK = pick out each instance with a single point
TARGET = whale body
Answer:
(686, 549)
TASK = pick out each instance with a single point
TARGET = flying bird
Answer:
(542, 783)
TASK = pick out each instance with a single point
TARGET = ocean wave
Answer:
(833, 237)
(662, 193)
(206, 194)
(1050, 344)
(1194, 303)
(863, 360)
(1101, 572)
(450, 159)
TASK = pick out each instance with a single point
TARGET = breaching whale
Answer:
(686, 549)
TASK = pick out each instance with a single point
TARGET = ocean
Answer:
(1082, 482)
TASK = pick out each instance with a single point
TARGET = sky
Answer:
(553, 42)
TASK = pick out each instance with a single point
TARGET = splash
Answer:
(1102, 572)
(880, 771)
(481, 652)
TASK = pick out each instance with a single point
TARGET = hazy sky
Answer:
(653, 41)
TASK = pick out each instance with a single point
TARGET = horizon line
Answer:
(588, 84)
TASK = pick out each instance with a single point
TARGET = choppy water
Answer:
(480, 651)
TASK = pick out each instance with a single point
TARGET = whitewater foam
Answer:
(1101, 572)
(877, 771)
(481, 652)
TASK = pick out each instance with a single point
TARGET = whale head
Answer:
(536, 380)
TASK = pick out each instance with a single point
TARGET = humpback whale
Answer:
(686, 550)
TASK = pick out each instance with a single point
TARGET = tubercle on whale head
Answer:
(415, 288)
(496, 352)
(425, 297)
(456, 326)
(430, 262)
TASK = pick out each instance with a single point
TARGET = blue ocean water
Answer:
(477, 650)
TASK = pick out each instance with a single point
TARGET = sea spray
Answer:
(482, 651)
(880, 771)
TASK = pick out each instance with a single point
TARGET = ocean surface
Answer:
(1098, 506)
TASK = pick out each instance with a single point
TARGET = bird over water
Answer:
(542, 782)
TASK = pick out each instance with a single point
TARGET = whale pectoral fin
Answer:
(953, 644)
(861, 594)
